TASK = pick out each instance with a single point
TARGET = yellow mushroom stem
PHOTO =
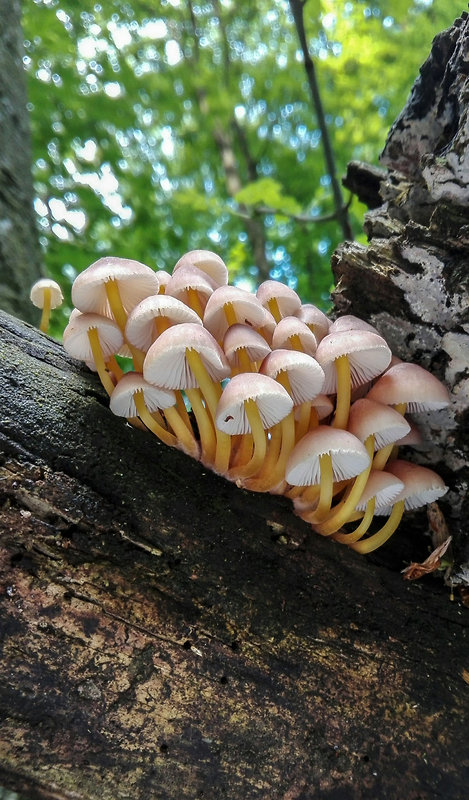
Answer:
(194, 302)
(259, 444)
(390, 451)
(98, 357)
(341, 512)
(280, 446)
(118, 312)
(342, 366)
(45, 316)
(303, 423)
(113, 366)
(151, 423)
(381, 536)
(205, 425)
(361, 529)
(185, 438)
(244, 362)
(326, 487)
(211, 391)
(274, 309)
(241, 449)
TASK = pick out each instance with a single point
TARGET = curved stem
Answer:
(259, 444)
(186, 440)
(208, 440)
(361, 529)
(381, 536)
(151, 423)
(341, 513)
(325, 489)
(118, 312)
(95, 345)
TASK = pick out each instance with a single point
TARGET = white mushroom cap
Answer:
(323, 405)
(243, 337)
(315, 319)
(348, 454)
(292, 326)
(206, 261)
(368, 356)
(368, 418)
(350, 323)
(76, 341)
(411, 384)
(305, 376)
(166, 364)
(122, 401)
(139, 329)
(245, 305)
(421, 485)
(272, 400)
(384, 487)
(163, 280)
(287, 299)
(37, 293)
(135, 281)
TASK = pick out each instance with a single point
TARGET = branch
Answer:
(341, 210)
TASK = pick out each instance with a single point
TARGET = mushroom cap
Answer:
(305, 376)
(189, 277)
(243, 337)
(323, 405)
(272, 400)
(139, 329)
(367, 352)
(368, 417)
(288, 301)
(76, 341)
(163, 279)
(421, 484)
(245, 305)
(292, 326)
(135, 281)
(315, 319)
(206, 261)
(348, 322)
(166, 365)
(384, 487)
(348, 454)
(36, 294)
(411, 384)
(122, 401)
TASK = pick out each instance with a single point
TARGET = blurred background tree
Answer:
(162, 127)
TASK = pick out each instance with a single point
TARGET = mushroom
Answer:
(134, 396)
(315, 319)
(279, 299)
(251, 403)
(350, 358)
(377, 426)
(46, 294)
(381, 490)
(192, 286)
(320, 458)
(206, 261)
(421, 486)
(187, 357)
(93, 338)
(293, 334)
(229, 305)
(244, 348)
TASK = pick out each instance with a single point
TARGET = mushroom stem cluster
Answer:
(260, 388)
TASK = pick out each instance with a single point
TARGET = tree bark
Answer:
(412, 279)
(19, 248)
(165, 634)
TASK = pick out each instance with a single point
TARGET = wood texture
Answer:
(167, 635)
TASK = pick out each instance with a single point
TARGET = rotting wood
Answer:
(167, 635)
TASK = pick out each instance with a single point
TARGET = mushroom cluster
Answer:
(261, 388)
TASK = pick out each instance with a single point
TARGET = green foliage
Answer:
(136, 106)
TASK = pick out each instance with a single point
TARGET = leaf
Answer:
(433, 562)
(268, 192)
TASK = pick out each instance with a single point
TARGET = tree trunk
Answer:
(412, 280)
(165, 634)
(19, 249)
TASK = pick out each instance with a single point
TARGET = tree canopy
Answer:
(157, 129)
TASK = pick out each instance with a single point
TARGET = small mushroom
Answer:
(279, 299)
(93, 338)
(380, 492)
(46, 294)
